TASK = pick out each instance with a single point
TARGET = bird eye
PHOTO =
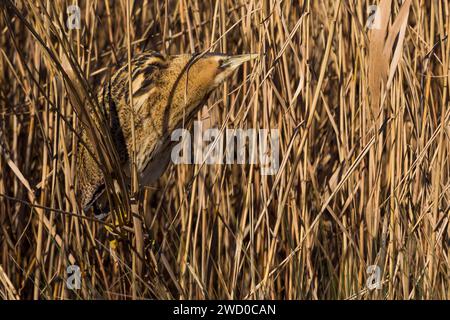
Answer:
(223, 63)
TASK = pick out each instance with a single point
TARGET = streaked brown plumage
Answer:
(162, 101)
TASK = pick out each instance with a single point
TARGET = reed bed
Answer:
(363, 119)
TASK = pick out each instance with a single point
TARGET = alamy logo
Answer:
(73, 281)
(234, 146)
(74, 17)
(374, 17)
(374, 279)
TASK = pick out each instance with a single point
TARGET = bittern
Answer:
(167, 92)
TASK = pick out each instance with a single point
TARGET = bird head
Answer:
(211, 69)
(200, 74)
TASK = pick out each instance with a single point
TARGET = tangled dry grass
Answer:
(364, 147)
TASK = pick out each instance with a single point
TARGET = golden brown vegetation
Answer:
(364, 176)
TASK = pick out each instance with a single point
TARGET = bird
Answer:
(167, 92)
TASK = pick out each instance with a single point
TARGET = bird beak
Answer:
(232, 62)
